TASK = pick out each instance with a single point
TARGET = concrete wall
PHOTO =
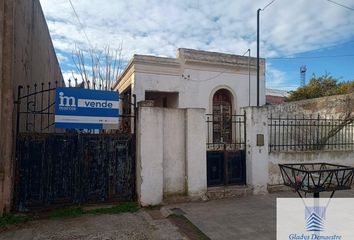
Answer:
(262, 165)
(263, 172)
(6, 103)
(334, 106)
(26, 57)
(171, 154)
(275, 158)
(256, 155)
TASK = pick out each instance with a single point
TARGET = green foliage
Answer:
(11, 219)
(121, 208)
(322, 86)
(66, 213)
(79, 211)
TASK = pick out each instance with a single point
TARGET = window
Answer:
(222, 116)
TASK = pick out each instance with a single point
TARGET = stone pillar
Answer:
(257, 151)
(149, 164)
(196, 152)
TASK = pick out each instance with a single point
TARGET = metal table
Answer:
(317, 177)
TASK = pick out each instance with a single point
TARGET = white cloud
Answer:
(159, 27)
(276, 79)
(62, 58)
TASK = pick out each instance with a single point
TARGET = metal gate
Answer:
(70, 166)
(226, 149)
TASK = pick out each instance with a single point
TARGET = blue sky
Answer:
(314, 33)
(337, 60)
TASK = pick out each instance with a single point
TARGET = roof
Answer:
(192, 56)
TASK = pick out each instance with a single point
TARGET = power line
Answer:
(312, 57)
(341, 5)
(81, 25)
(270, 3)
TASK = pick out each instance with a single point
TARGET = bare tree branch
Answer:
(98, 68)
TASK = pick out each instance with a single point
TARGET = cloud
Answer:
(159, 27)
(62, 58)
(277, 79)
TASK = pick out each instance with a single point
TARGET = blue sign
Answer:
(83, 108)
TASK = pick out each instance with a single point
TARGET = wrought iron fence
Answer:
(226, 132)
(310, 133)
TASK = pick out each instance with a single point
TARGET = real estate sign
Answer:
(86, 109)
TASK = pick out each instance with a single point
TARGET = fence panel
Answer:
(308, 133)
(57, 169)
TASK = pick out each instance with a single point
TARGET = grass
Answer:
(188, 225)
(12, 219)
(66, 213)
(79, 211)
(122, 208)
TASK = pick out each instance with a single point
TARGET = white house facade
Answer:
(191, 129)
(192, 78)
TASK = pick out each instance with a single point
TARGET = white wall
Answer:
(256, 156)
(171, 154)
(336, 157)
(174, 163)
(197, 91)
(196, 76)
(149, 164)
(196, 152)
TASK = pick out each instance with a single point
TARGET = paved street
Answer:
(247, 218)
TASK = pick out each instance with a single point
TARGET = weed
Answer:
(11, 219)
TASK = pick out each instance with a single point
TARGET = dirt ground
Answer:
(138, 226)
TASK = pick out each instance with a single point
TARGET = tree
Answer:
(325, 85)
(97, 68)
(322, 86)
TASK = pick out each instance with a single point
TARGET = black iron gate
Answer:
(70, 166)
(226, 149)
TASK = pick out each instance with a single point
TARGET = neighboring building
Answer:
(194, 79)
(276, 96)
(27, 57)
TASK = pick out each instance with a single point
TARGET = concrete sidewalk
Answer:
(125, 226)
(251, 217)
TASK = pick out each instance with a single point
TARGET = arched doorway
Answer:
(226, 143)
(222, 116)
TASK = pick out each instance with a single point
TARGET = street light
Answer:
(258, 11)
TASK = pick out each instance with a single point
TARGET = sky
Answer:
(315, 33)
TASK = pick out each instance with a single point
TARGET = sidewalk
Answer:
(125, 226)
(247, 218)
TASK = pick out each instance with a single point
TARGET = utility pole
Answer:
(258, 11)
(249, 77)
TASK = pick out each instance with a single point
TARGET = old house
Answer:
(194, 79)
(192, 132)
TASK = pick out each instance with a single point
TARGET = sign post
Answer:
(86, 109)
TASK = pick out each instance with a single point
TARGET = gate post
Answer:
(149, 164)
(196, 152)
(257, 148)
